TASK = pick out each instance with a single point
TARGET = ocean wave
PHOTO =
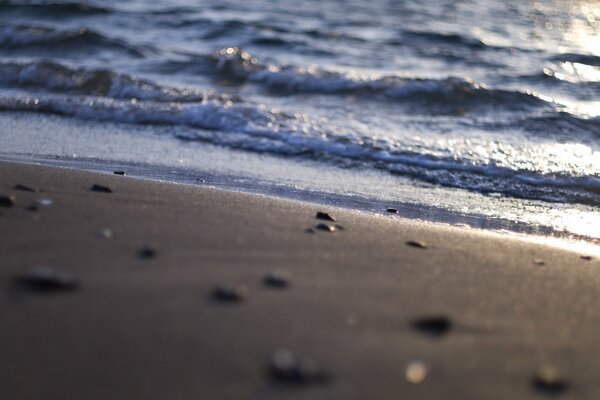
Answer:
(587, 59)
(58, 78)
(238, 64)
(53, 9)
(51, 40)
(258, 129)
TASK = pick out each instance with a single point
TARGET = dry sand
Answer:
(474, 312)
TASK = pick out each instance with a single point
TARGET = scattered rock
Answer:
(229, 294)
(416, 243)
(147, 253)
(586, 258)
(326, 228)
(122, 173)
(100, 188)
(325, 216)
(7, 201)
(339, 227)
(548, 381)
(25, 188)
(435, 326)
(44, 279)
(288, 369)
(416, 372)
(537, 261)
(276, 279)
(392, 210)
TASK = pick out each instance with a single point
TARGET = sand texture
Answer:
(164, 291)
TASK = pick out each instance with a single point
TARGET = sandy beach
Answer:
(163, 291)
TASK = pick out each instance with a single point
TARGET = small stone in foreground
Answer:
(106, 233)
(325, 216)
(122, 173)
(586, 258)
(326, 228)
(392, 210)
(435, 326)
(100, 188)
(7, 201)
(229, 294)
(276, 279)
(147, 252)
(44, 279)
(547, 380)
(25, 188)
(538, 261)
(416, 372)
(416, 243)
(287, 368)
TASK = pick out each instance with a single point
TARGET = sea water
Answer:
(484, 113)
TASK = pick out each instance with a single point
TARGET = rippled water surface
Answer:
(496, 99)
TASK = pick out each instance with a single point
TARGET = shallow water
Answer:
(497, 102)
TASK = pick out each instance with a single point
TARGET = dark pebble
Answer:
(416, 243)
(200, 180)
(436, 326)
(7, 201)
(309, 230)
(147, 253)
(122, 173)
(326, 228)
(392, 210)
(325, 216)
(229, 294)
(548, 381)
(100, 188)
(276, 279)
(288, 369)
(25, 188)
(586, 258)
(44, 279)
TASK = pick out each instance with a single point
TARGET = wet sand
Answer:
(163, 291)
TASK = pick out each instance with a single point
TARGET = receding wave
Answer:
(58, 78)
(47, 39)
(53, 9)
(255, 128)
(239, 64)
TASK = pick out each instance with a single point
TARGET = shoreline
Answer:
(415, 212)
(175, 301)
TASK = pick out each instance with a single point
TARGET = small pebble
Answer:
(537, 261)
(586, 258)
(548, 381)
(287, 368)
(40, 203)
(147, 253)
(326, 228)
(7, 201)
(392, 210)
(416, 243)
(436, 326)
(416, 372)
(25, 188)
(309, 230)
(122, 173)
(276, 279)
(229, 294)
(200, 180)
(325, 216)
(100, 188)
(106, 233)
(44, 279)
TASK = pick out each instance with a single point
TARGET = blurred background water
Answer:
(485, 110)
